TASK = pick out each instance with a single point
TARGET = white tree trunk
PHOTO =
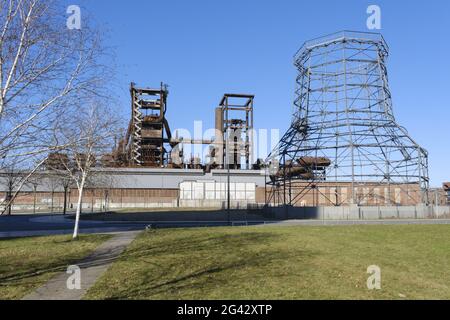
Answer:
(79, 204)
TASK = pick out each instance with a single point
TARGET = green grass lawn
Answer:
(26, 264)
(282, 263)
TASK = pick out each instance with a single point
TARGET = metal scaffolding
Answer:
(343, 130)
(148, 130)
(148, 141)
(234, 121)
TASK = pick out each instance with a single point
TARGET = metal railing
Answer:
(338, 36)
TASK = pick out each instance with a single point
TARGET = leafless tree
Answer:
(16, 179)
(46, 70)
(89, 136)
(10, 179)
(33, 183)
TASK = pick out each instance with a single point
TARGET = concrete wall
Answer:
(358, 213)
(160, 188)
(130, 180)
(441, 212)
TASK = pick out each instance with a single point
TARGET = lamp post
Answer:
(227, 157)
(227, 161)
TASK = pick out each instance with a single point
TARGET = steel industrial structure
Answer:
(234, 122)
(148, 130)
(447, 191)
(343, 130)
(149, 142)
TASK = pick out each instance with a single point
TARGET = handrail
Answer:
(350, 35)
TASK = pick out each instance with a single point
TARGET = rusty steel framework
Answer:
(234, 122)
(148, 141)
(446, 186)
(149, 130)
(343, 128)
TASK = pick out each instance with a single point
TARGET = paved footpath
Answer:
(43, 225)
(91, 267)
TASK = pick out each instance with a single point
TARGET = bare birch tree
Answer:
(89, 136)
(45, 70)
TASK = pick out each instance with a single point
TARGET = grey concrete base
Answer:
(316, 223)
(91, 267)
(358, 213)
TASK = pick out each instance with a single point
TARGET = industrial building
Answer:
(148, 169)
(149, 143)
(447, 192)
(343, 148)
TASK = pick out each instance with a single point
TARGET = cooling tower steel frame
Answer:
(343, 112)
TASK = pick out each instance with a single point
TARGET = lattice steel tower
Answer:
(343, 131)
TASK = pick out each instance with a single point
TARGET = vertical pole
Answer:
(10, 205)
(290, 189)
(423, 197)
(227, 133)
(68, 191)
(284, 179)
(337, 144)
(10, 202)
(106, 200)
(389, 182)
(65, 200)
(352, 147)
(247, 138)
(53, 195)
(92, 200)
(34, 198)
(265, 187)
(388, 112)
(437, 204)
(252, 137)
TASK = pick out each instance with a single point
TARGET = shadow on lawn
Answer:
(212, 262)
(28, 277)
(28, 274)
(196, 243)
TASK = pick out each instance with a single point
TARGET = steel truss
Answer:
(237, 126)
(343, 112)
(148, 130)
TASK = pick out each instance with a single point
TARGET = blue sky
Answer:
(203, 49)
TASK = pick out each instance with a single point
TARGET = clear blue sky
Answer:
(203, 49)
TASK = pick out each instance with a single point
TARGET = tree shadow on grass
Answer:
(31, 277)
(30, 271)
(227, 267)
(196, 242)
